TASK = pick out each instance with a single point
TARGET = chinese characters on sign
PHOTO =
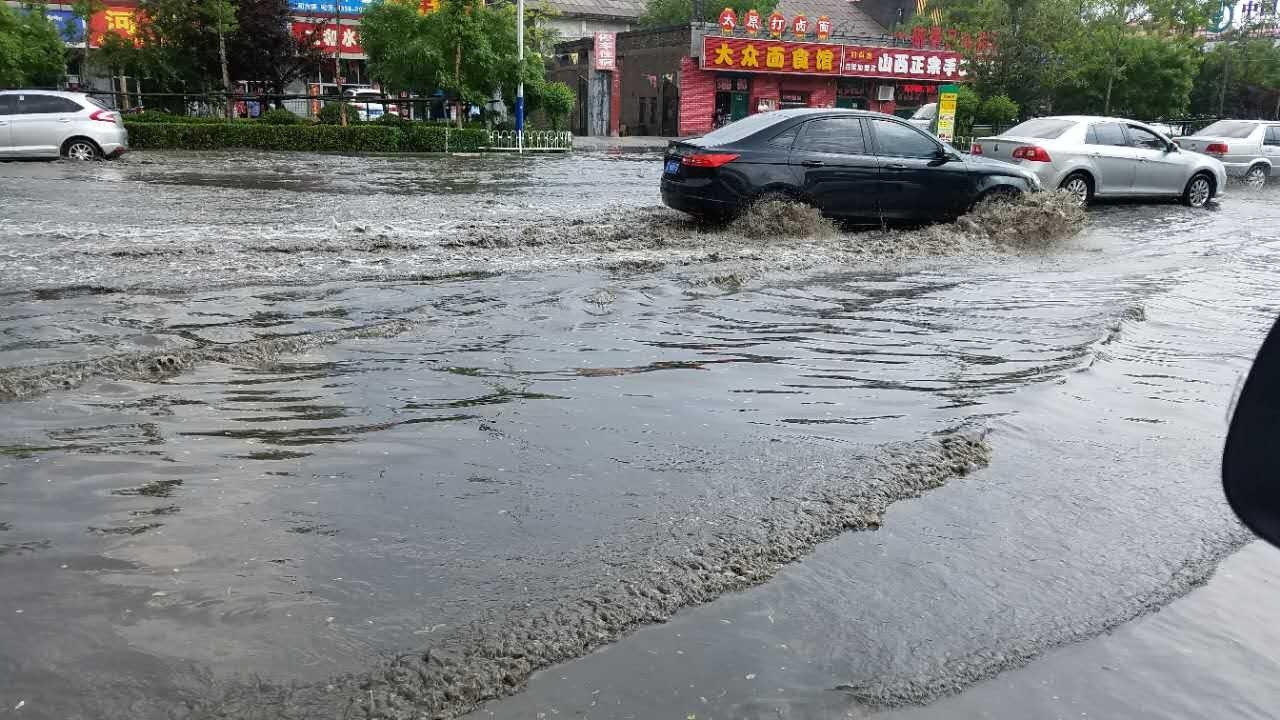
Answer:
(766, 56)
(947, 97)
(122, 21)
(728, 21)
(322, 7)
(746, 55)
(823, 27)
(606, 52)
(329, 38)
(777, 24)
(800, 26)
(902, 63)
(752, 23)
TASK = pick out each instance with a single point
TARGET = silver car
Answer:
(1249, 148)
(1107, 157)
(48, 123)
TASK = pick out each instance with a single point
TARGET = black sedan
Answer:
(853, 165)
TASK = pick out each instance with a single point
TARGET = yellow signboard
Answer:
(947, 97)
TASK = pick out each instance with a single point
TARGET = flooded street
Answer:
(341, 437)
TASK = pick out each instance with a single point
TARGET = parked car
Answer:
(854, 165)
(1095, 157)
(924, 116)
(48, 123)
(1249, 148)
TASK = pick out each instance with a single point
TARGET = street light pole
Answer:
(520, 82)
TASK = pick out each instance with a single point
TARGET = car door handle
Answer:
(64, 120)
(896, 166)
(812, 163)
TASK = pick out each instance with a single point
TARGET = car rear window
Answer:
(735, 131)
(1043, 128)
(46, 104)
(1229, 128)
(97, 103)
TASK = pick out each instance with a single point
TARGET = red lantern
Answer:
(728, 21)
(800, 26)
(823, 27)
(752, 22)
(777, 24)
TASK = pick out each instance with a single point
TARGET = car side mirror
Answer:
(1171, 147)
(1251, 459)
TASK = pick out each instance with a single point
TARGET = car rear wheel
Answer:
(1079, 186)
(81, 149)
(1199, 191)
(1256, 177)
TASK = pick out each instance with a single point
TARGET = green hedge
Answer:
(260, 136)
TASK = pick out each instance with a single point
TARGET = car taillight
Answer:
(976, 149)
(708, 160)
(103, 116)
(1216, 148)
(1034, 153)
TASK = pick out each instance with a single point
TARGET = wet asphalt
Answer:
(362, 436)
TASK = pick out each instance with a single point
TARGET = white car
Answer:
(1107, 157)
(49, 123)
(1250, 149)
(924, 116)
(359, 99)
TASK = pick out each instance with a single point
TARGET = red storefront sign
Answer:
(605, 56)
(329, 38)
(121, 20)
(771, 56)
(901, 63)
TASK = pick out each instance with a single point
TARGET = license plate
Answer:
(673, 167)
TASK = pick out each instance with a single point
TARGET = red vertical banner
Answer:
(605, 56)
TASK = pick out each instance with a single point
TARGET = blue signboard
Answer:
(322, 7)
(70, 27)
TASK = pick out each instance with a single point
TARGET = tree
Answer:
(660, 13)
(558, 100)
(223, 22)
(263, 49)
(31, 50)
(1240, 77)
(84, 10)
(466, 48)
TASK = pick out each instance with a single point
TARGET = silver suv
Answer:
(49, 123)
(1249, 148)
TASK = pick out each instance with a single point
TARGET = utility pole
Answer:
(337, 62)
(520, 82)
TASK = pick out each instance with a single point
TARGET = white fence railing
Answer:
(534, 140)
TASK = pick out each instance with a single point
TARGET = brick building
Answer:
(687, 80)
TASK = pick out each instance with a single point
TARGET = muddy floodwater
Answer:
(345, 437)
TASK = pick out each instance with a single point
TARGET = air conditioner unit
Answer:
(884, 93)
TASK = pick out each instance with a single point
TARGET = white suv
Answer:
(49, 123)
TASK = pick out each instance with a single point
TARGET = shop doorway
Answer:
(733, 99)
(852, 103)
(789, 99)
(670, 108)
